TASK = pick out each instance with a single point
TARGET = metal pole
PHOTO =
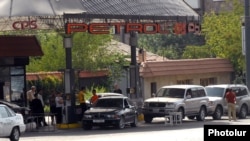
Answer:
(69, 81)
(247, 43)
(133, 65)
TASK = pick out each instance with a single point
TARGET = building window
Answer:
(208, 81)
(153, 89)
(187, 81)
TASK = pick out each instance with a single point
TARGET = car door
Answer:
(129, 111)
(1, 121)
(190, 102)
(6, 121)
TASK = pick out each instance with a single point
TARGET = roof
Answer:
(184, 86)
(227, 85)
(185, 67)
(12, 8)
(19, 46)
(125, 49)
(150, 9)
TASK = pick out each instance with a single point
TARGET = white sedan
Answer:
(11, 123)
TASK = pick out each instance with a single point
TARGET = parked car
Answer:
(103, 94)
(218, 104)
(190, 100)
(25, 111)
(11, 123)
(117, 111)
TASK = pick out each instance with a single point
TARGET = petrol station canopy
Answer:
(52, 14)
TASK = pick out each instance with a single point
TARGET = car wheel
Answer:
(182, 113)
(121, 123)
(243, 112)
(148, 119)
(202, 114)
(87, 126)
(217, 113)
(134, 123)
(15, 134)
(191, 117)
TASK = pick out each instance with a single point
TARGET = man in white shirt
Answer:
(30, 94)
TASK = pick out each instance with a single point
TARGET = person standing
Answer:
(81, 97)
(117, 89)
(40, 97)
(94, 97)
(31, 95)
(231, 101)
(37, 110)
(52, 105)
(59, 106)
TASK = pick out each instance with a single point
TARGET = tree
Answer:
(223, 34)
(89, 52)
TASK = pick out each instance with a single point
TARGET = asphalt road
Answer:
(189, 130)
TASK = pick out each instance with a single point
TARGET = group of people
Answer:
(56, 103)
(36, 104)
(82, 100)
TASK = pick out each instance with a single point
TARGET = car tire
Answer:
(243, 112)
(134, 123)
(87, 126)
(148, 119)
(202, 114)
(191, 117)
(15, 134)
(121, 123)
(182, 113)
(217, 113)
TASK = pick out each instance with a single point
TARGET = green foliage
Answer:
(47, 84)
(169, 45)
(89, 52)
(99, 89)
(223, 34)
(195, 52)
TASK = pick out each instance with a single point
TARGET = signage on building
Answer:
(144, 28)
(22, 25)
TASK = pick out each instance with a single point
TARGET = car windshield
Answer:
(215, 91)
(114, 102)
(171, 92)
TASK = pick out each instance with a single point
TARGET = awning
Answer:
(18, 8)
(19, 46)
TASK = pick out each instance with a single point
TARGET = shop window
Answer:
(208, 81)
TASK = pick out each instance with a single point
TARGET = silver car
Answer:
(218, 104)
(190, 100)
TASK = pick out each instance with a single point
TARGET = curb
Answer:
(78, 125)
(68, 126)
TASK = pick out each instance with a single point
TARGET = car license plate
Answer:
(155, 110)
(98, 120)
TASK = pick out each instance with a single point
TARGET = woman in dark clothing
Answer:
(37, 110)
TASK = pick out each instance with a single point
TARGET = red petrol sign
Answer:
(145, 28)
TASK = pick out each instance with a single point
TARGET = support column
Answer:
(247, 42)
(134, 71)
(70, 115)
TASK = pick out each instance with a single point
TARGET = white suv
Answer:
(218, 104)
(175, 98)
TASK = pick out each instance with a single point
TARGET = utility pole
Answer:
(247, 42)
